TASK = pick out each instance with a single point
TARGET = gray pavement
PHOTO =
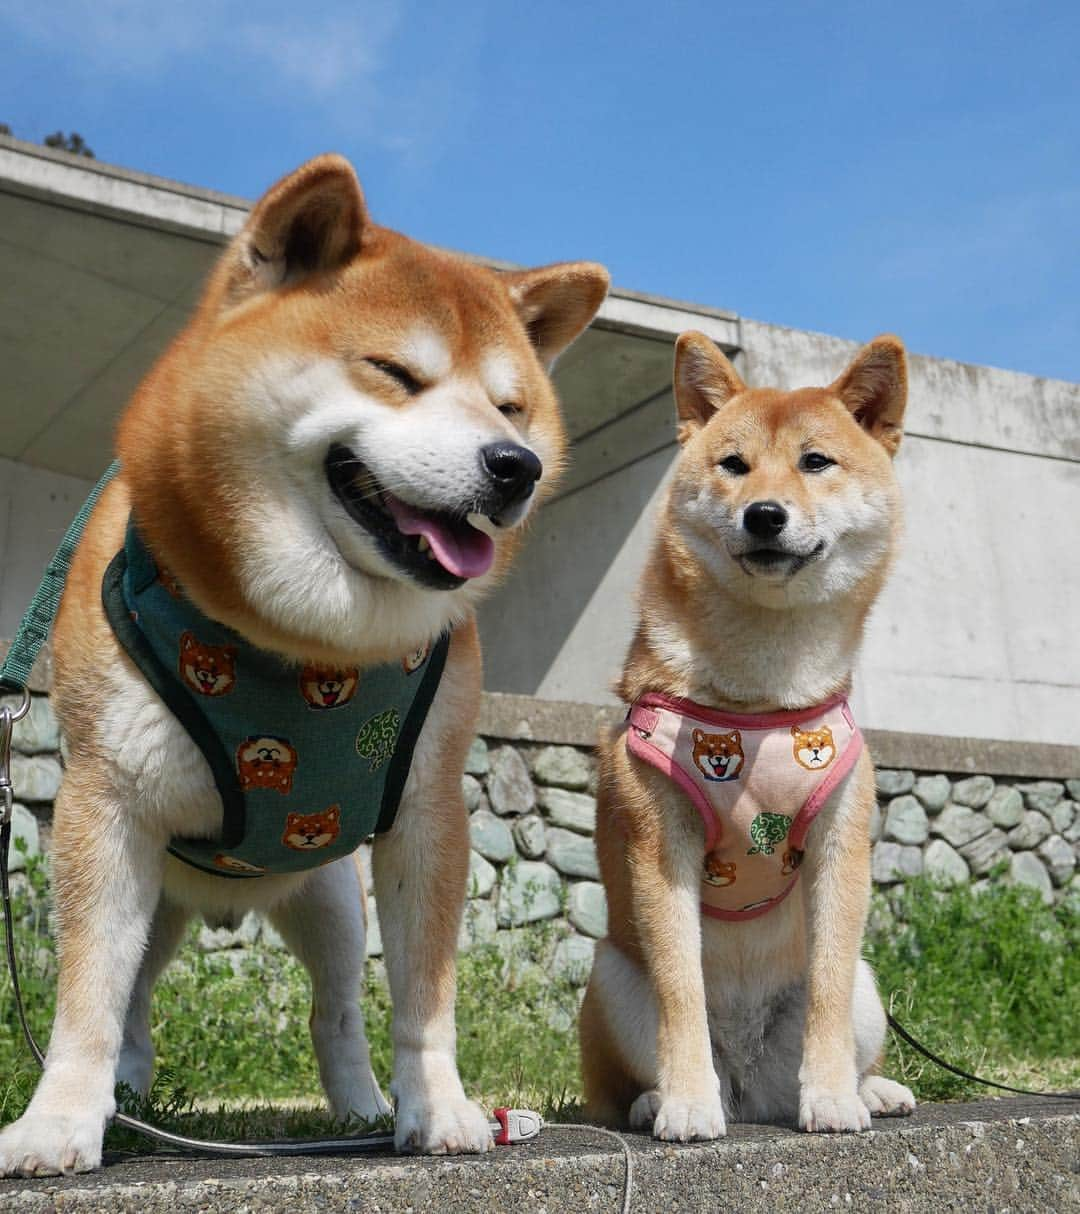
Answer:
(1017, 1154)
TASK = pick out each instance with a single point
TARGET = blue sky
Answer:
(846, 167)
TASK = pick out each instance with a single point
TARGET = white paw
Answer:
(681, 1120)
(886, 1098)
(43, 1145)
(643, 1111)
(457, 1127)
(822, 1112)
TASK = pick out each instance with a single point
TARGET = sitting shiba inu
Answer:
(743, 994)
(325, 472)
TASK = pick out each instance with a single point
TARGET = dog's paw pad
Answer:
(681, 1120)
(886, 1098)
(832, 1113)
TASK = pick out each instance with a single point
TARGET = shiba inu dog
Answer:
(725, 997)
(331, 462)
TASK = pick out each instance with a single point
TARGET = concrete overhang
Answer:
(103, 266)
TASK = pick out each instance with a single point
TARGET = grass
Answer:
(991, 981)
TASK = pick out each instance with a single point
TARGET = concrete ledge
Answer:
(525, 719)
(1008, 1155)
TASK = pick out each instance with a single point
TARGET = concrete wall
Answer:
(975, 635)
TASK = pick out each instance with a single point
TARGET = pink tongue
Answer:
(461, 550)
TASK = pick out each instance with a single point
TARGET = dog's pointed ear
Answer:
(704, 381)
(557, 302)
(874, 390)
(310, 222)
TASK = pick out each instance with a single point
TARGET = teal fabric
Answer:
(37, 622)
(309, 762)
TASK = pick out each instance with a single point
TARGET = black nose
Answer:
(513, 468)
(764, 519)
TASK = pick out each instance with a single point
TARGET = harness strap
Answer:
(38, 620)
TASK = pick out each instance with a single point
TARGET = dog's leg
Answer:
(136, 1065)
(836, 892)
(883, 1097)
(421, 868)
(324, 927)
(666, 881)
(107, 873)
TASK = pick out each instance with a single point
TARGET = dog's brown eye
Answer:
(397, 372)
(735, 464)
(814, 461)
(511, 410)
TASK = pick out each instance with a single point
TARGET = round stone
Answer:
(1062, 815)
(1030, 833)
(974, 792)
(25, 838)
(528, 892)
(481, 876)
(958, 824)
(893, 783)
(944, 864)
(471, 791)
(876, 821)
(1073, 787)
(587, 909)
(373, 945)
(478, 925)
(1043, 795)
(509, 787)
(476, 761)
(38, 731)
(490, 836)
(574, 810)
(572, 959)
(1005, 808)
(986, 851)
(530, 835)
(891, 862)
(906, 821)
(562, 767)
(1027, 869)
(1059, 859)
(572, 854)
(35, 777)
(933, 792)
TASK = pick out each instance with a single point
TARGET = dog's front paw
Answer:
(44, 1145)
(823, 1112)
(886, 1098)
(456, 1128)
(681, 1120)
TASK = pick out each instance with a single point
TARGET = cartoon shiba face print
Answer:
(412, 662)
(306, 832)
(718, 872)
(328, 686)
(266, 762)
(814, 748)
(208, 669)
(718, 756)
(235, 865)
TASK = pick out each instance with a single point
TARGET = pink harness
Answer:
(758, 782)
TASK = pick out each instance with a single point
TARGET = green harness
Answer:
(309, 761)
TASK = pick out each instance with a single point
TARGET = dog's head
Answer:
(335, 455)
(788, 498)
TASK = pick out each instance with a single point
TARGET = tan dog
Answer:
(331, 460)
(773, 543)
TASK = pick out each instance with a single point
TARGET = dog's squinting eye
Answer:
(511, 410)
(735, 464)
(814, 461)
(404, 377)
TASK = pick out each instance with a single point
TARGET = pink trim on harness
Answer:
(757, 780)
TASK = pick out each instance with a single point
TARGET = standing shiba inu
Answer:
(716, 994)
(325, 470)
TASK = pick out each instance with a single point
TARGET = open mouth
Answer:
(777, 560)
(439, 549)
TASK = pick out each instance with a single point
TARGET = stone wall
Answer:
(532, 812)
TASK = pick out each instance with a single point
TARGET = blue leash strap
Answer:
(38, 620)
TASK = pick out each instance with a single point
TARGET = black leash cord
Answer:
(904, 1035)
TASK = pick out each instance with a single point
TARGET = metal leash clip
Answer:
(8, 717)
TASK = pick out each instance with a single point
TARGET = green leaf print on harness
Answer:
(767, 830)
(377, 737)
